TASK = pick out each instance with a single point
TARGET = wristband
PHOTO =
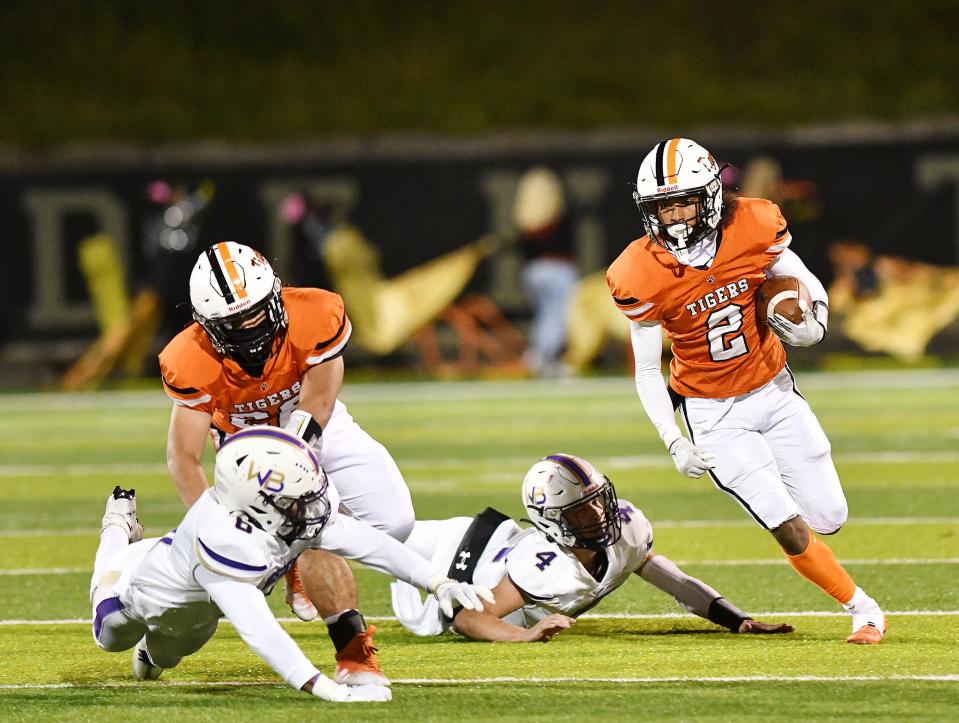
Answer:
(303, 425)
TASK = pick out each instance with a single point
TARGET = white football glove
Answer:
(447, 590)
(689, 459)
(808, 332)
(334, 692)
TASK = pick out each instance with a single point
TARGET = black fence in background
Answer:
(895, 189)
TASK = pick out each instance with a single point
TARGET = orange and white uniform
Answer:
(195, 375)
(728, 374)
(709, 314)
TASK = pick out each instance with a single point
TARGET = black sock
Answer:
(722, 612)
(346, 626)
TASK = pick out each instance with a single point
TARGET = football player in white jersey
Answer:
(270, 501)
(584, 544)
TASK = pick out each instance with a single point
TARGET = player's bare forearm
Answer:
(321, 385)
(484, 626)
(186, 441)
(188, 478)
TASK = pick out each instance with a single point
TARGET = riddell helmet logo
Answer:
(667, 189)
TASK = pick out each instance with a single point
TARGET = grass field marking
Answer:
(15, 571)
(655, 461)
(537, 680)
(659, 524)
(483, 389)
(587, 616)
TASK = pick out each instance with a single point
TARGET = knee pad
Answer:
(829, 521)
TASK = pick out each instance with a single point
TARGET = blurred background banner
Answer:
(135, 134)
(895, 191)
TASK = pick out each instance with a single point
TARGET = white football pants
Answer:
(171, 633)
(772, 455)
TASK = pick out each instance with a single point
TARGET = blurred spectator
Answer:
(170, 245)
(550, 271)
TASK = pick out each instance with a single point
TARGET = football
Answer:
(781, 295)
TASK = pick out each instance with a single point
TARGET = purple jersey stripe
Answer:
(106, 607)
(501, 554)
(166, 540)
(572, 466)
(231, 563)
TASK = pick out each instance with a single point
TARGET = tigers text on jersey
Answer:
(708, 314)
(196, 376)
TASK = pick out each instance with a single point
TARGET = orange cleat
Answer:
(296, 596)
(356, 664)
(868, 634)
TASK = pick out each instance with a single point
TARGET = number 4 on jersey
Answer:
(544, 559)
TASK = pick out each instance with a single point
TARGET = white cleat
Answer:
(143, 667)
(121, 512)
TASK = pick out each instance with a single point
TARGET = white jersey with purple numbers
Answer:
(553, 580)
(163, 583)
(549, 574)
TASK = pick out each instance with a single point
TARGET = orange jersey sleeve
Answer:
(195, 375)
(709, 314)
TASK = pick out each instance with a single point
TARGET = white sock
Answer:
(859, 598)
(112, 540)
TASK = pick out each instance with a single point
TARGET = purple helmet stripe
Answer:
(106, 607)
(231, 563)
(275, 434)
(570, 464)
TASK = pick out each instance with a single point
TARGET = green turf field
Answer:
(462, 447)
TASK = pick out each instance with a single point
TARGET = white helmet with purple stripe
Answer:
(572, 502)
(271, 478)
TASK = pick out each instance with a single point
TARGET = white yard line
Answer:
(658, 524)
(588, 616)
(951, 678)
(609, 463)
(512, 390)
(19, 571)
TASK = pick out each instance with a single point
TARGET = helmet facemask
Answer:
(593, 522)
(690, 229)
(250, 345)
(303, 517)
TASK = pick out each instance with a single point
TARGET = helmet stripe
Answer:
(671, 158)
(572, 466)
(283, 435)
(230, 268)
(225, 289)
(660, 173)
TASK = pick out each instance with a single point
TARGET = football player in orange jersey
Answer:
(694, 276)
(262, 354)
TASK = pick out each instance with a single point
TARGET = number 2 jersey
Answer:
(719, 349)
(550, 577)
(196, 376)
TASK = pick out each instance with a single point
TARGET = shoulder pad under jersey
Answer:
(230, 546)
(319, 326)
(543, 570)
(190, 368)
